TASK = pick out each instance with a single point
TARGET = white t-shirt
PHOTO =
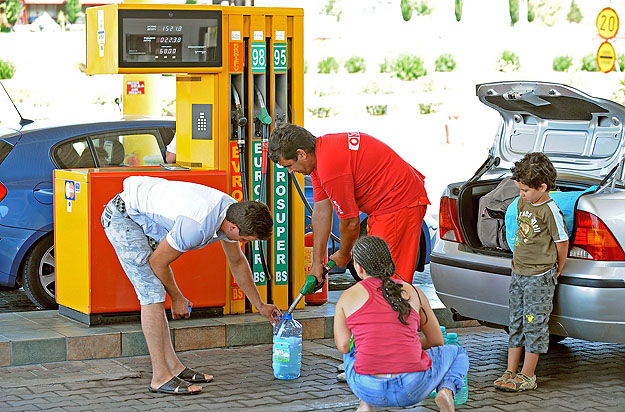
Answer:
(171, 147)
(188, 214)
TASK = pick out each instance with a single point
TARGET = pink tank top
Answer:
(383, 344)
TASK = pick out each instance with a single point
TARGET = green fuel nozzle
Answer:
(311, 285)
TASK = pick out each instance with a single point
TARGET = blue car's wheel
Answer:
(39, 273)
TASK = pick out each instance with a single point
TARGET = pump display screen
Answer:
(170, 38)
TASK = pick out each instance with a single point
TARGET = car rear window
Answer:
(5, 148)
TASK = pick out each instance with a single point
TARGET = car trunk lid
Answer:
(579, 133)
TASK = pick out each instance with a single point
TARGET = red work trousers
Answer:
(402, 231)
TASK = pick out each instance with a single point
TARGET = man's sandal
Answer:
(175, 386)
(507, 375)
(526, 383)
(192, 376)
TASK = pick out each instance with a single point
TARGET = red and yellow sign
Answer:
(236, 57)
(607, 23)
(606, 57)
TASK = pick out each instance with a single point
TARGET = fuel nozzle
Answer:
(311, 285)
(238, 118)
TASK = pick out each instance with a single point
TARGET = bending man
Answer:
(152, 223)
(355, 172)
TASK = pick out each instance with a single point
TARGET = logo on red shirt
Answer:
(337, 207)
(353, 139)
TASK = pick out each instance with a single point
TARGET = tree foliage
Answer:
(73, 9)
(514, 11)
(458, 10)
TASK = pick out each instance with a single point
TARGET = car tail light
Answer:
(448, 226)
(3, 191)
(593, 240)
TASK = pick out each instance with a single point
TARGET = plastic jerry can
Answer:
(287, 348)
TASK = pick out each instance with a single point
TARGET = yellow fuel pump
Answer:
(239, 71)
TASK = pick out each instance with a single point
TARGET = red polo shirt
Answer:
(357, 172)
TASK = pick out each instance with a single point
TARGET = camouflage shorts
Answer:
(133, 250)
(531, 303)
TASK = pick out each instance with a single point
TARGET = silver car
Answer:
(584, 138)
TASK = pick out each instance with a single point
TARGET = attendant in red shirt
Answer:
(355, 172)
(389, 365)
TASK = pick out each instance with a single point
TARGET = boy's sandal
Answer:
(192, 376)
(175, 386)
(507, 375)
(526, 383)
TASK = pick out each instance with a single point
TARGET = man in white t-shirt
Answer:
(151, 224)
(170, 151)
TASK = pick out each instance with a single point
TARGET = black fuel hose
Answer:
(307, 204)
(265, 120)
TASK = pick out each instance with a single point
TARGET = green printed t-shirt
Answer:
(539, 228)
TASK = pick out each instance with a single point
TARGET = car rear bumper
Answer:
(14, 243)
(588, 304)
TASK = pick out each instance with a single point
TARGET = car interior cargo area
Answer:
(470, 211)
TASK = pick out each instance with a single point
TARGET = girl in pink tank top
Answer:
(388, 364)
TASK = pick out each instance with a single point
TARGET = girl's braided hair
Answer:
(373, 254)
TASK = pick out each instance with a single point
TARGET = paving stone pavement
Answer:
(575, 376)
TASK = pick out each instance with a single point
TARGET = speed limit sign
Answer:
(607, 23)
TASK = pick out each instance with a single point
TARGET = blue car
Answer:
(28, 156)
(428, 228)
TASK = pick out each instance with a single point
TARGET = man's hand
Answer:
(340, 258)
(180, 307)
(316, 270)
(271, 312)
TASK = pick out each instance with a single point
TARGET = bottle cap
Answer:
(443, 329)
(452, 336)
(288, 316)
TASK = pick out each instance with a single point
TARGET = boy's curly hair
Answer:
(534, 170)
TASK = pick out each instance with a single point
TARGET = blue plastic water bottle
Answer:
(287, 348)
(443, 329)
(463, 394)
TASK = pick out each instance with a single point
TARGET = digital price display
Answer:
(170, 38)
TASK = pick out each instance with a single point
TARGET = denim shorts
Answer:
(450, 365)
(531, 303)
(133, 250)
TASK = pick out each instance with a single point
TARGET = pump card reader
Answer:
(202, 117)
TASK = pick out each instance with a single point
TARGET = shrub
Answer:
(531, 11)
(428, 108)
(305, 66)
(508, 62)
(407, 66)
(620, 60)
(331, 8)
(548, 11)
(619, 94)
(445, 63)
(322, 112)
(377, 109)
(12, 9)
(406, 9)
(356, 64)
(562, 63)
(328, 65)
(458, 10)
(422, 8)
(73, 9)
(386, 65)
(589, 63)
(375, 88)
(7, 69)
(575, 14)
(514, 11)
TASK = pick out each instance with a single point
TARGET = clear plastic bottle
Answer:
(444, 330)
(287, 348)
(463, 394)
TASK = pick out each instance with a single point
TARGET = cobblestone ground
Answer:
(575, 376)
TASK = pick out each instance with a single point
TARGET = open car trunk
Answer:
(468, 209)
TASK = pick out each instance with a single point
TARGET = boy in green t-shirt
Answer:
(540, 250)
